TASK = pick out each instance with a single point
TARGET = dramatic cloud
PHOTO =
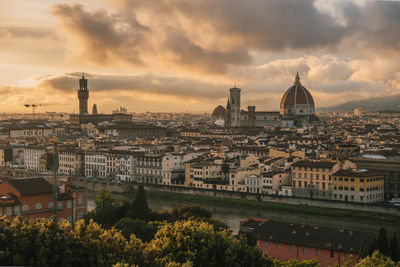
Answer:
(144, 83)
(176, 55)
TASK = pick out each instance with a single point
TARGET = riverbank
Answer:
(232, 211)
(254, 204)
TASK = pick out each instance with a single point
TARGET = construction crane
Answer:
(33, 109)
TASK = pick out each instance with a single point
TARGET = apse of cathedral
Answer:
(296, 110)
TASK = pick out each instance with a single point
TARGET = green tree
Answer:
(382, 243)
(394, 248)
(105, 211)
(49, 161)
(141, 229)
(377, 260)
(198, 242)
(185, 212)
(225, 170)
(139, 208)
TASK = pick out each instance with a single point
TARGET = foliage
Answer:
(197, 242)
(296, 263)
(49, 161)
(382, 242)
(105, 211)
(377, 260)
(139, 208)
(141, 229)
(185, 212)
(48, 243)
(394, 248)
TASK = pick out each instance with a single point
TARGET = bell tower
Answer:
(83, 95)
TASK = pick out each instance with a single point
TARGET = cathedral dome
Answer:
(297, 100)
(219, 113)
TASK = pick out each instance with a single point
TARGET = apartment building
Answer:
(148, 168)
(203, 173)
(173, 167)
(70, 161)
(96, 164)
(32, 157)
(272, 181)
(33, 198)
(313, 179)
(358, 185)
(124, 165)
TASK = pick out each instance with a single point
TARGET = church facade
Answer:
(296, 110)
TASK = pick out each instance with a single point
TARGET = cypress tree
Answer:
(394, 249)
(382, 242)
(139, 208)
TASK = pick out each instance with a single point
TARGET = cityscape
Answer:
(209, 133)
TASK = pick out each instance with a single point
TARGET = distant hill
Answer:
(372, 104)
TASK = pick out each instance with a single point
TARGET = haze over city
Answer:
(179, 56)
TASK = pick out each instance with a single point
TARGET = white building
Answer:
(253, 183)
(173, 167)
(32, 156)
(96, 164)
(272, 181)
(70, 161)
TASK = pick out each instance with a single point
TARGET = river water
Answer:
(234, 215)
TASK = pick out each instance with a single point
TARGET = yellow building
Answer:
(313, 179)
(358, 186)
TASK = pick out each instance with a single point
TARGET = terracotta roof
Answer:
(219, 112)
(358, 173)
(31, 186)
(319, 164)
(309, 235)
(297, 94)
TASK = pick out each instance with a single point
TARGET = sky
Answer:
(179, 55)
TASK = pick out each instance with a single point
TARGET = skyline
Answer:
(171, 56)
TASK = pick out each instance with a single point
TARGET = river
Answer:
(233, 215)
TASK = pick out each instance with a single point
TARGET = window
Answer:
(317, 252)
(291, 248)
(69, 219)
(332, 253)
(50, 205)
(16, 210)
(38, 206)
(278, 246)
(265, 244)
(80, 199)
(60, 205)
(304, 250)
(80, 215)
(25, 207)
(8, 211)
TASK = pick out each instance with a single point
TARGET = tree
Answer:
(49, 161)
(105, 211)
(185, 212)
(49, 243)
(141, 229)
(198, 243)
(394, 248)
(377, 260)
(382, 243)
(139, 208)
(225, 170)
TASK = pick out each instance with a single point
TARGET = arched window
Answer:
(38, 206)
(25, 208)
(50, 205)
